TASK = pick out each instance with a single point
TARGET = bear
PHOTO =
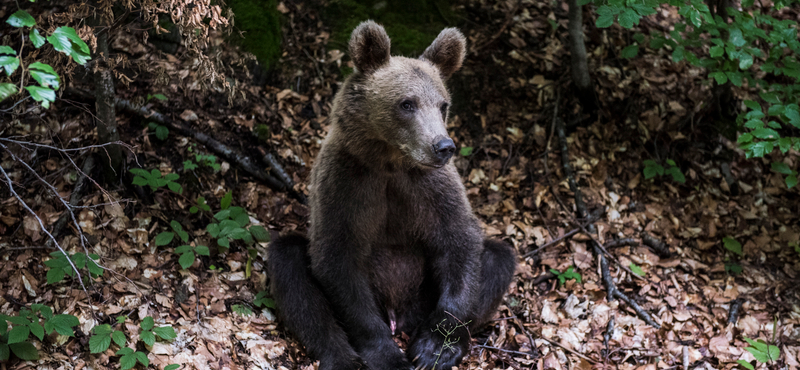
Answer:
(393, 244)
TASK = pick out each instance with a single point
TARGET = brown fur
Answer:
(393, 239)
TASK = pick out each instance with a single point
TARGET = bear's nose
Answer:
(444, 149)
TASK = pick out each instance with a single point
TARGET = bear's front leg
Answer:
(444, 339)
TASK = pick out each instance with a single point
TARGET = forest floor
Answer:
(706, 297)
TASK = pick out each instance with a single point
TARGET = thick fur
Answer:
(393, 242)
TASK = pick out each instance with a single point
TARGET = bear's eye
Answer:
(407, 105)
(444, 110)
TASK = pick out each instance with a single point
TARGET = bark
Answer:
(584, 87)
(104, 103)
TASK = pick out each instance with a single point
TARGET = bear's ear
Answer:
(447, 51)
(369, 47)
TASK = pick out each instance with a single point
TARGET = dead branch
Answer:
(736, 308)
(621, 243)
(243, 161)
(656, 245)
(275, 168)
(613, 291)
(592, 218)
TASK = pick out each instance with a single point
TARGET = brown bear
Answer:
(393, 244)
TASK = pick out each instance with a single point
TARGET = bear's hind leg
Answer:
(303, 307)
(499, 262)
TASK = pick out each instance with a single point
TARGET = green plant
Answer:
(104, 334)
(201, 206)
(242, 310)
(569, 274)
(16, 340)
(166, 237)
(161, 97)
(762, 351)
(564, 276)
(155, 180)
(465, 151)
(207, 160)
(187, 254)
(262, 300)
(162, 132)
(732, 265)
(63, 39)
(636, 269)
(791, 175)
(230, 225)
(60, 266)
(653, 169)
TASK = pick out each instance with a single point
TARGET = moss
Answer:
(411, 24)
(262, 132)
(260, 22)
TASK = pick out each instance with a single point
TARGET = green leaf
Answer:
(21, 18)
(18, 334)
(630, 51)
(781, 167)
(44, 75)
(752, 105)
(176, 366)
(119, 338)
(37, 330)
(732, 245)
(604, 21)
(223, 214)
(162, 132)
(636, 269)
(42, 95)
(25, 351)
(628, 18)
(161, 97)
(175, 187)
(791, 181)
(226, 200)
(9, 63)
(770, 97)
(127, 361)
(164, 238)
(745, 364)
(677, 175)
(213, 230)
(66, 40)
(142, 358)
(165, 332)
(736, 38)
(202, 250)
(716, 51)
(147, 323)
(54, 275)
(99, 343)
(735, 78)
(147, 337)
(466, 151)
(766, 133)
(63, 324)
(7, 89)
(186, 260)
(124, 351)
(745, 61)
(224, 242)
(259, 233)
(242, 219)
(5, 353)
(733, 268)
(36, 38)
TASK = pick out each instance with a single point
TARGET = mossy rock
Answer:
(411, 24)
(260, 22)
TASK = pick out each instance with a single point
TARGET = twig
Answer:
(276, 169)
(88, 165)
(685, 358)
(504, 350)
(736, 307)
(592, 218)
(570, 350)
(656, 245)
(621, 242)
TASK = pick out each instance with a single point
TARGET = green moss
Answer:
(261, 23)
(411, 24)
(262, 132)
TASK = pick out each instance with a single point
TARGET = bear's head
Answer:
(401, 102)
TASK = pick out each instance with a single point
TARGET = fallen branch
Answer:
(733, 313)
(275, 168)
(655, 244)
(243, 161)
(611, 287)
(592, 218)
(621, 242)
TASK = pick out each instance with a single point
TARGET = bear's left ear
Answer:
(447, 51)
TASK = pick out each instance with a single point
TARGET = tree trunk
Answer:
(722, 95)
(104, 94)
(584, 87)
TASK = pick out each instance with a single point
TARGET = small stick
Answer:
(655, 244)
(736, 307)
(621, 242)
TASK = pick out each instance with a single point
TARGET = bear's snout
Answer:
(443, 149)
